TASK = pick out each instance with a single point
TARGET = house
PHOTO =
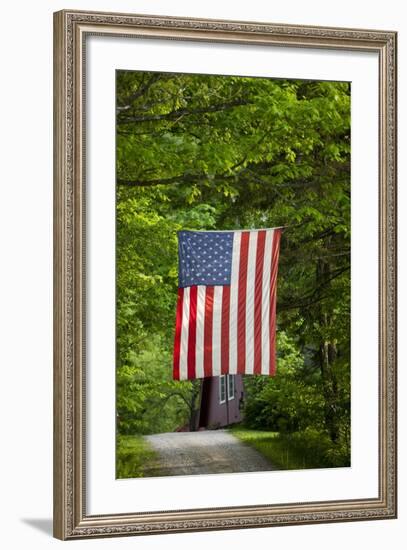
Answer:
(221, 401)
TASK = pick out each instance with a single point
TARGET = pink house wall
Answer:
(214, 414)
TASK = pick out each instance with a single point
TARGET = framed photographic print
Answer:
(225, 274)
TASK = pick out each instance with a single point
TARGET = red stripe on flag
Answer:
(177, 338)
(258, 289)
(273, 299)
(224, 359)
(241, 303)
(193, 296)
(208, 331)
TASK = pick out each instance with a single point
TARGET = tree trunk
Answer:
(327, 353)
(327, 356)
(194, 405)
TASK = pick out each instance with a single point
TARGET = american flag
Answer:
(226, 308)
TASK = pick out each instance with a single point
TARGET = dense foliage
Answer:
(215, 152)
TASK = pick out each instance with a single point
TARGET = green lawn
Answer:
(135, 457)
(294, 451)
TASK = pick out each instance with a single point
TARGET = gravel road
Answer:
(205, 452)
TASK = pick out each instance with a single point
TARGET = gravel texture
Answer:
(205, 452)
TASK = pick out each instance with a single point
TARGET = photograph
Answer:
(233, 258)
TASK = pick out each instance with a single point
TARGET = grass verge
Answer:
(135, 458)
(296, 451)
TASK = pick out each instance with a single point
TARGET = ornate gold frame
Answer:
(70, 518)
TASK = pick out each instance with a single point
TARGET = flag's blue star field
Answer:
(205, 258)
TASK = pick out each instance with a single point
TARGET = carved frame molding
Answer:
(70, 31)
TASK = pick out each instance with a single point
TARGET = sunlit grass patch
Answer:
(295, 451)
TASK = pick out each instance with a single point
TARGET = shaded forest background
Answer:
(226, 152)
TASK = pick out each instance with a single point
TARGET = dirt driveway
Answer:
(205, 452)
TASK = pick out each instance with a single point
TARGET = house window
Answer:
(230, 381)
(222, 389)
(231, 386)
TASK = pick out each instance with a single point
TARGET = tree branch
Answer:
(141, 90)
(181, 178)
(182, 112)
(312, 298)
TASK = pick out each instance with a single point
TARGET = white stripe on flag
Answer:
(251, 275)
(183, 367)
(200, 322)
(265, 304)
(217, 330)
(234, 289)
